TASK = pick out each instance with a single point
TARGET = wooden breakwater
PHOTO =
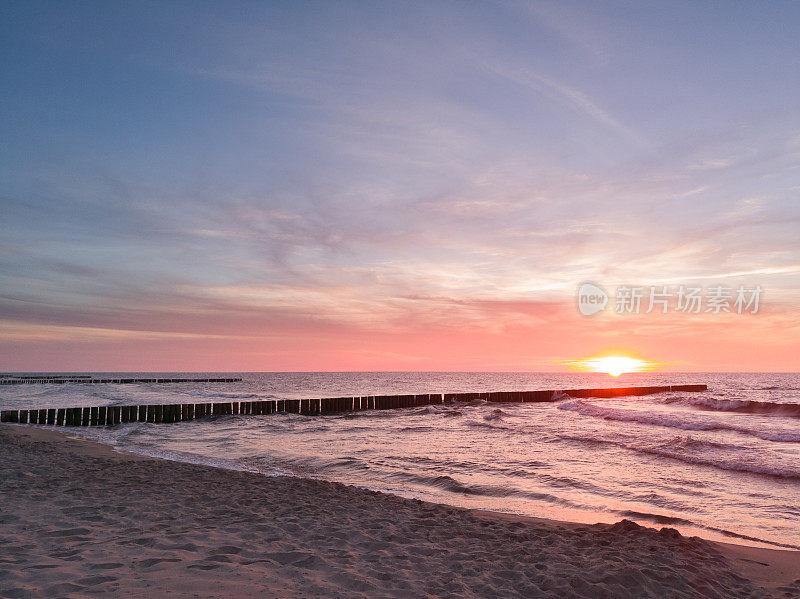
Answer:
(169, 413)
(83, 380)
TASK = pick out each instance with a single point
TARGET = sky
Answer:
(269, 186)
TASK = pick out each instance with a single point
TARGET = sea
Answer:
(722, 464)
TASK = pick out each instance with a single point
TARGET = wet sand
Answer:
(78, 518)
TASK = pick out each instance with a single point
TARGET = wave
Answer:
(416, 429)
(688, 450)
(432, 409)
(228, 395)
(488, 425)
(494, 415)
(677, 422)
(451, 485)
(656, 518)
(743, 406)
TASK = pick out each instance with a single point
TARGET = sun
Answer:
(612, 365)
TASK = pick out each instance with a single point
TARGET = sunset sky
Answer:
(394, 186)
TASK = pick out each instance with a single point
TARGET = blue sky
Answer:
(263, 179)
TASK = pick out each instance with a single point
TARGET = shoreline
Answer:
(83, 517)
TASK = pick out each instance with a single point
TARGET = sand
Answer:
(81, 519)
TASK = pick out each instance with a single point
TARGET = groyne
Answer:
(170, 413)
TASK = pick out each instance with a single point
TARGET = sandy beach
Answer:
(79, 519)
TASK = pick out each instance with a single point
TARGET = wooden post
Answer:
(142, 413)
(60, 417)
(43, 417)
(23, 416)
(102, 415)
(159, 414)
(33, 416)
(93, 416)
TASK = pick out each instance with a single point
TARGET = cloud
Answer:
(569, 96)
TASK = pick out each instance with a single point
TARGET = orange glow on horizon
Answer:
(615, 365)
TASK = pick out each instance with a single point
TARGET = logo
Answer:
(591, 299)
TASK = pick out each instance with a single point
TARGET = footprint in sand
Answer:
(91, 581)
(105, 566)
(153, 561)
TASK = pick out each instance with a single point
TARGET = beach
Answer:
(80, 518)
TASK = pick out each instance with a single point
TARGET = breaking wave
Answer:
(699, 452)
(674, 421)
(742, 406)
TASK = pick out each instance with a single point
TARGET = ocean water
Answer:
(722, 464)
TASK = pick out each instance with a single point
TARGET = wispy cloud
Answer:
(570, 96)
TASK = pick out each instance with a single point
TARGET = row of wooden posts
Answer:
(169, 413)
